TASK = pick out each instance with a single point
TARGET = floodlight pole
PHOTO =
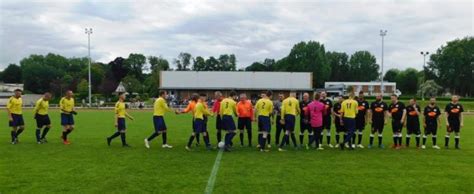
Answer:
(424, 72)
(89, 32)
(383, 33)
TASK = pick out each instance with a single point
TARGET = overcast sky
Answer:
(252, 30)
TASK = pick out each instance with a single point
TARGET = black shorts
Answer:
(431, 128)
(378, 125)
(17, 120)
(397, 126)
(219, 122)
(413, 127)
(42, 120)
(360, 124)
(244, 123)
(454, 126)
(304, 126)
(327, 122)
(339, 127)
(278, 124)
(317, 130)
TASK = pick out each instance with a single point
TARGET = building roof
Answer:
(240, 80)
(361, 83)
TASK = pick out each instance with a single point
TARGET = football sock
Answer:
(446, 141)
(353, 138)
(456, 141)
(395, 139)
(310, 139)
(65, 133)
(337, 138)
(116, 134)
(371, 139)
(417, 139)
(38, 133)
(219, 136)
(20, 130)
(285, 139)
(277, 136)
(328, 139)
(293, 139)
(231, 136)
(13, 134)
(241, 135)
(407, 141)
(260, 136)
(269, 138)
(400, 139)
(206, 140)
(165, 138)
(123, 138)
(190, 141)
(434, 139)
(249, 136)
(45, 132)
(197, 138)
(301, 138)
(380, 140)
(264, 140)
(359, 141)
(152, 136)
(317, 141)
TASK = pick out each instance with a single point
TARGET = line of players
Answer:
(282, 113)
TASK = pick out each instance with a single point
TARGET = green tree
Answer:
(430, 88)
(136, 63)
(256, 66)
(407, 81)
(453, 67)
(38, 74)
(183, 61)
(391, 75)
(132, 84)
(339, 62)
(363, 66)
(212, 64)
(12, 74)
(199, 64)
(159, 63)
(83, 88)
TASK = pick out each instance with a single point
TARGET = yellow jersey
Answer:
(228, 107)
(41, 107)
(200, 111)
(349, 108)
(66, 105)
(120, 109)
(160, 107)
(264, 107)
(14, 105)
(290, 106)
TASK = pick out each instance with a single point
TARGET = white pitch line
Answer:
(212, 177)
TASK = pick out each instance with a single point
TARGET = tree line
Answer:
(449, 69)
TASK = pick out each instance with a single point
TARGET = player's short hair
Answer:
(361, 92)
(194, 96)
(232, 93)
(121, 93)
(161, 92)
(269, 93)
(217, 93)
(394, 95)
(317, 95)
(202, 94)
(17, 90)
(414, 99)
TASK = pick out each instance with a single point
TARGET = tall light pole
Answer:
(89, 32)
(383, 33)
(424, 72)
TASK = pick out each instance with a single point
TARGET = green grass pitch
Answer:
(88, 165)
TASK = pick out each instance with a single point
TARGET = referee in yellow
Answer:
(15, 116)
(348, 112)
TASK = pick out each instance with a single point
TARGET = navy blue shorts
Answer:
(67, 119)
(219, 122)
(349, 124)
(264, 123)
(228, 123)
(290, 122)
(121, 124)
(17, 121)
(159, 123)
(42, 120)
(244, 123)
(199, 126)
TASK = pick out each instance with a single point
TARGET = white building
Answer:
(369, 88)
(183, 83)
